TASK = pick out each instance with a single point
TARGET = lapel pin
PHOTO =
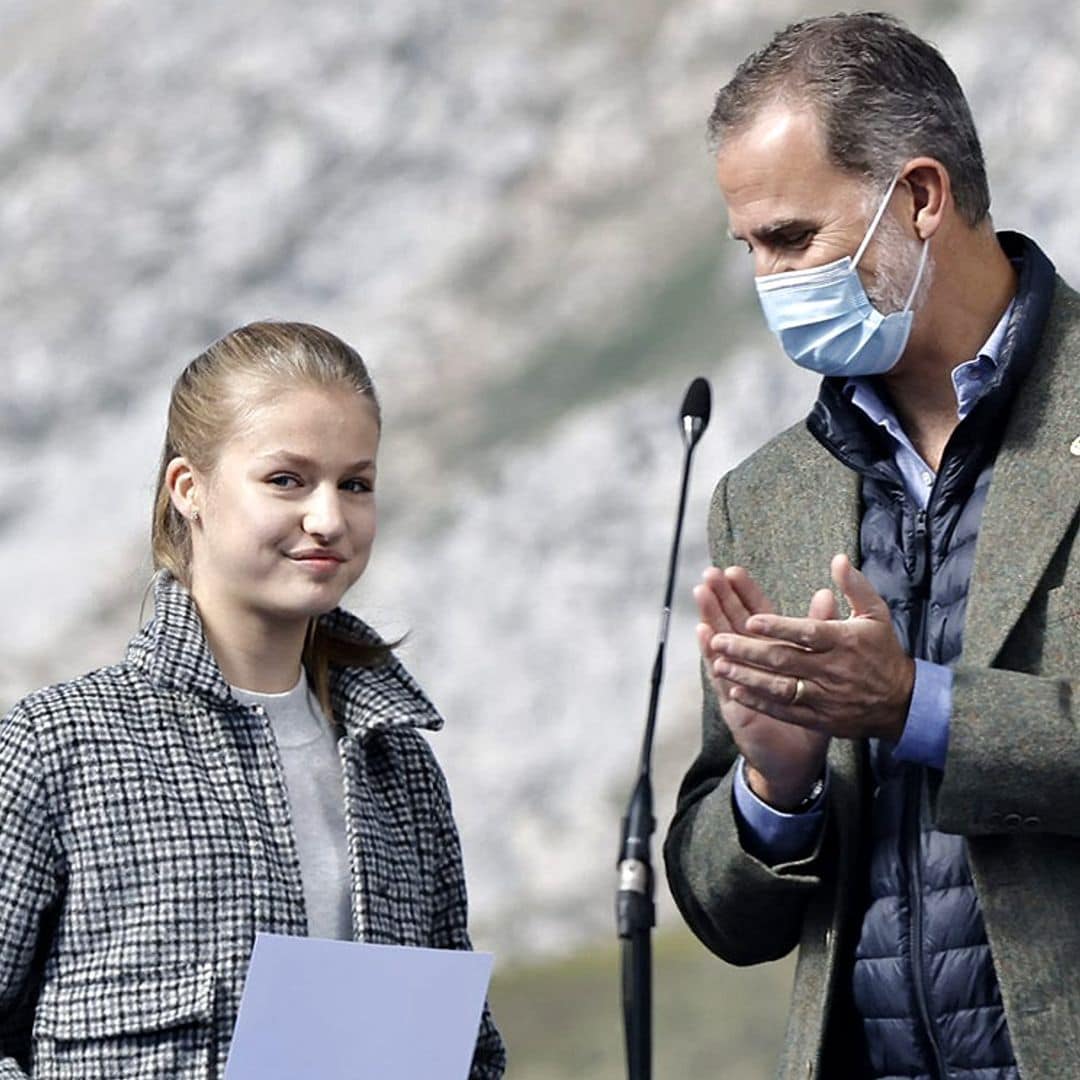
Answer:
(1074, 447)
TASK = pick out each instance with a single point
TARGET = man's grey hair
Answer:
(881, 93)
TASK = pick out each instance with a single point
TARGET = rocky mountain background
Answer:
(509, 210)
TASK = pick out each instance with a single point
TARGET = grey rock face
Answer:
(509, 210)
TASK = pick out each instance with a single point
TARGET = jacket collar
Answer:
(373, 698)
(171, 651)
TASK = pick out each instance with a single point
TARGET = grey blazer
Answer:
(1011, 783)
(145, 837)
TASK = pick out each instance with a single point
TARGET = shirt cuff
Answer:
(925, 740)
(771, 835)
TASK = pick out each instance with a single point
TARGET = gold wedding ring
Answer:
(800, 689)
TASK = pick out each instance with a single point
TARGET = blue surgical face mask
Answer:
(825, 321)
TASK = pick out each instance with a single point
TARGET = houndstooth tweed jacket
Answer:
(145, 837)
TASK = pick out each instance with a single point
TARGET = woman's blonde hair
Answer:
(210, 402)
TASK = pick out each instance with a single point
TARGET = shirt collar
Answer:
(969, 380)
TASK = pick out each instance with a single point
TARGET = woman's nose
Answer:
(323, 514)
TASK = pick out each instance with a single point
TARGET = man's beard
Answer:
(897, 264)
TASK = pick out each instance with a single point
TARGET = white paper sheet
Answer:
(337, 1010)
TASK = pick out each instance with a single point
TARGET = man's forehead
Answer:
(781, 127)
(775, 174)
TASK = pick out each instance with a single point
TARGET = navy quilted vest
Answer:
(923, 981)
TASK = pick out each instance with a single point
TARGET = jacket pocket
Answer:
(148, 1026)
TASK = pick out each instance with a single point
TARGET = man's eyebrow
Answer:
(775, 230)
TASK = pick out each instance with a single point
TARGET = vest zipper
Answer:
(913, 791)
(913, 798)
(921, 574)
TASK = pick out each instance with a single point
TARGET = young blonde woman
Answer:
(255, 762)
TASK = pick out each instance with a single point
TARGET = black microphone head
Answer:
(696, 408)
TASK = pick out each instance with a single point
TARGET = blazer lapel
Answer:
(1034, 491)
(829, 509)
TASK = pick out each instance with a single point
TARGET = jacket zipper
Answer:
(913, 794)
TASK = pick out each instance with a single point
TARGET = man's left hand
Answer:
(850, 678)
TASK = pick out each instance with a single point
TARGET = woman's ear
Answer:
(183, 487)
(931, 194)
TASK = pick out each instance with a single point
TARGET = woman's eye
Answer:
(283, 480)
(358, 484)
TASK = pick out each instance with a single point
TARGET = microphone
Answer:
(635, 912)
(696, 409)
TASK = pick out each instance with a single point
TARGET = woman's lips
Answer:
(319, 560)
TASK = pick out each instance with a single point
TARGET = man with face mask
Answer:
(895, 792)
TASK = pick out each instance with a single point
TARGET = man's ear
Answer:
(931, 194)
(183, 486)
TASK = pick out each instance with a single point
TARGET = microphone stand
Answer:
(635, 911)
